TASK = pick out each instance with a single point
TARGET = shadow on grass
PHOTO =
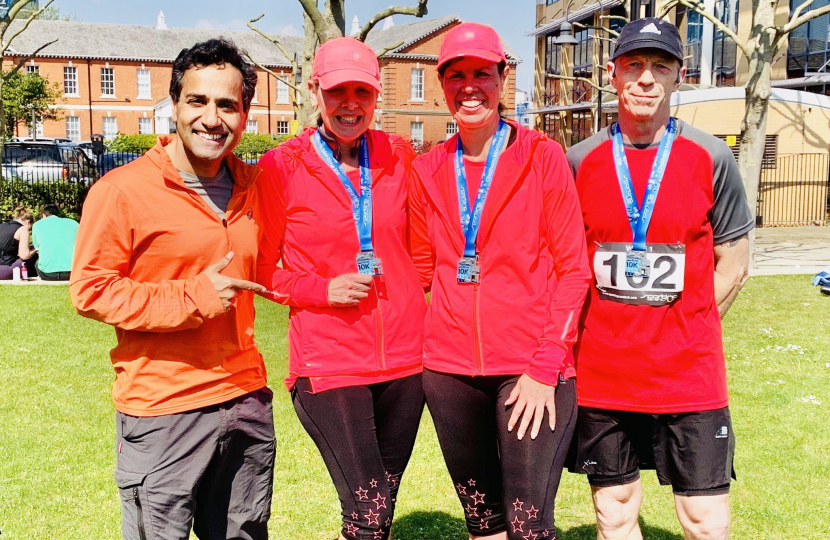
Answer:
(429, 526)
(589, 532)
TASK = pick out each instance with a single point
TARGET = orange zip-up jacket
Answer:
(309, 226)
(522, 317)
(143, 242)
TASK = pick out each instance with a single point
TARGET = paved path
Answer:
(791, 250)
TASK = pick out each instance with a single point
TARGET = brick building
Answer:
(115, 78)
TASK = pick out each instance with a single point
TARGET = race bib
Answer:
(661, 287)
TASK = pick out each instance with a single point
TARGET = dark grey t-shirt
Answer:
(216, 191)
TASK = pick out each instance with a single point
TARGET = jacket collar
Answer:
(243, 175)
(511, 171)
(382, 162)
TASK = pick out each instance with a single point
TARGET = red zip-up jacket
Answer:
(308, 225)
(522, 317)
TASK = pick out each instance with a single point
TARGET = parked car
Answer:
(47, 161)
(110, 160)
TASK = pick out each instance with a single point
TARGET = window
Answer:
(145, 126)
(107, 82)
(725, 51)
(809, 48)
(32, 69)
(582, 125)
(73, 128)
(553, 65)
(250, 127)
(416, 131)
(282, 91)
(110, 128)
(378, 127)
(694, 44)
(416, 89)
(452, 129)
(282, 127)
(143, 76)
(38, 128)
(583, 64)
(70, 80)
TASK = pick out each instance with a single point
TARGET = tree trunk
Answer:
(309, 47)
(756, 106)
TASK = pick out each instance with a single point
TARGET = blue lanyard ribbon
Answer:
(470, 221)
(640, 217)
(362, 202)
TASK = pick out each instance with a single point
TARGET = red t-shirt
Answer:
(655, 345)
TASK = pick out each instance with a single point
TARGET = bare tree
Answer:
(319, 27)
(761, 49)
(5, 23)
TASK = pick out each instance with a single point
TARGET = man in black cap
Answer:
(666, 220)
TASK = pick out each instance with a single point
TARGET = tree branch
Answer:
(310, 8)
(795, 14)
(390, 48)
(590, 83)
(697, 6)
(15, 9)
(28, 57)
(275, 41)
(798, 21)
(32, 17)
(418, 11)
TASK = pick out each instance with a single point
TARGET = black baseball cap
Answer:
(649, 33)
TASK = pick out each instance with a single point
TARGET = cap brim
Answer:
(645, 44)
(334, 78)
(490, 56)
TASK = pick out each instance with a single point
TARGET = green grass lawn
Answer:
(57, 430)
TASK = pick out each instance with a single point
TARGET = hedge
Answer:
(67, 195)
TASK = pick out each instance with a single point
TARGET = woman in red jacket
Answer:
(335, 214)
(498, 232)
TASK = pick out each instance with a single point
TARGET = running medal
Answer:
(367, 262)
(469, 270)
(636, 264)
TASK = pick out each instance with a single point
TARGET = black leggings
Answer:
(365, 435)
(504, 484)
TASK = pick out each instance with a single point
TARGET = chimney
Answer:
(355, 27)
(388, 23)
(160, 25)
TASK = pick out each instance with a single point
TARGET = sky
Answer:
(285, 16)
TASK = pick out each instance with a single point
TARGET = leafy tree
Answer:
(254, 144)
(25, 93)
(138, 143)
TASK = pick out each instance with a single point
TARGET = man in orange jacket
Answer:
(165, 251)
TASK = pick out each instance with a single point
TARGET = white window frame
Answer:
(145, 89)
(73, 128)
(282, 91)
(416, 84)
(452, 128)
(38, 128)
(283, 127)
(378, 125)
(111, 122)
(415, 127)
(107, 82)
(251, 126)
(145, 126)
(70, 81)
(32, 68)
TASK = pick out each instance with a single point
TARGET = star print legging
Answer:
(504, 484)
(365, 435)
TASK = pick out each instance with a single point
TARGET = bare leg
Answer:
(618, 508)
(704, 517)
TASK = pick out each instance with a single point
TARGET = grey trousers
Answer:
(211, 469)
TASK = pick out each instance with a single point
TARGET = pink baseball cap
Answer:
(471, 40)
(343, 60)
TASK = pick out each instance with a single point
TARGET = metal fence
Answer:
(48, 178)
(794, 193)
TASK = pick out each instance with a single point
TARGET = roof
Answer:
(85, 40)
(576, 15)
(140, 43)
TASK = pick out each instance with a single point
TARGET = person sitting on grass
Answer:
(54, 238)
(14, 242)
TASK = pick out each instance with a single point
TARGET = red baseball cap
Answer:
(471, 40)
(343, 60)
